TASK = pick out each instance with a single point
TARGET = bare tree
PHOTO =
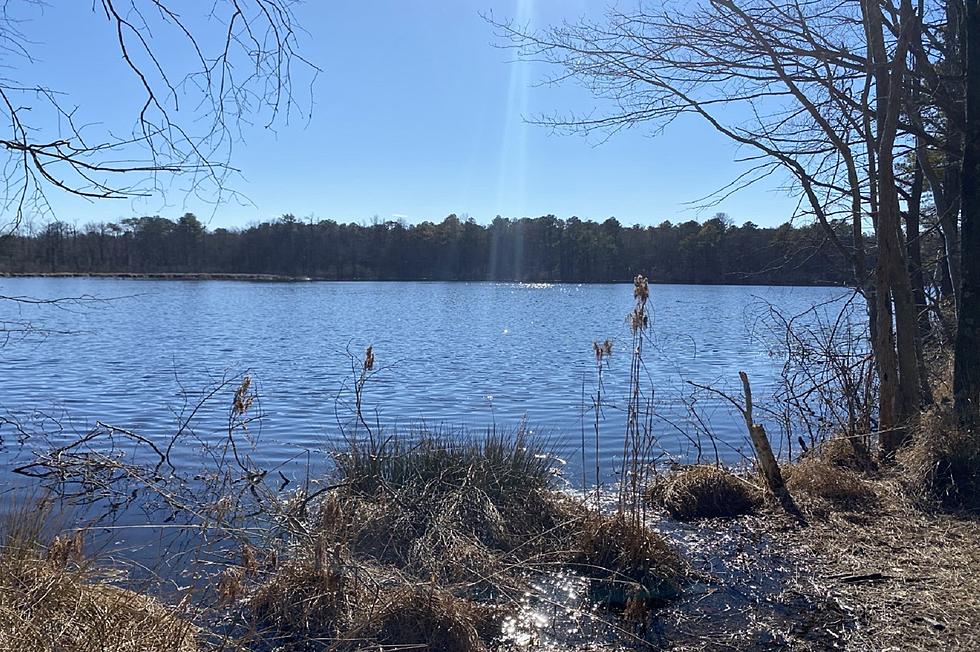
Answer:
(205, 70)
(892, 271)
(812, 88)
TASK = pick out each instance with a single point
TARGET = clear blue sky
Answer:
(417, 115)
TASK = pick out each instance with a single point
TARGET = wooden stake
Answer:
(765, 457)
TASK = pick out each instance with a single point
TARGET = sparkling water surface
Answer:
(449, 355)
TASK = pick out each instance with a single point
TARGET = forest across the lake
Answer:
(538, 249)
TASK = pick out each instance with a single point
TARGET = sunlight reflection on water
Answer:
(453, 354)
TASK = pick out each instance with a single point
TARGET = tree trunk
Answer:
(956, 59)
(892, 268)
(942, 186)
(913, 242)
(887, 365)
(966, 366)
(895, 269)
(943, 280)
(948, 220)
(914, 251)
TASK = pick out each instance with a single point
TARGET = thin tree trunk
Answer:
(966, 367)
(953, 175)
(887, 364)
(942, 268)
(945, 207)
(948, 220)
(879, 296)
(913, 242)
(914, 251)
(913, 245)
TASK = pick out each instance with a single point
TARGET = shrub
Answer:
(498, 465)
(309, 595)
(420, 538)
(451, 508)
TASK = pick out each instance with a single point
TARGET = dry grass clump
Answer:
(454, 509)
(311, 594)
(704, 491)
(48, 601)
(942, 463)
(420, 619)
(344, 605)
(828, 486)
(496, 462)
(48, 608)
(422, 539)
(629, 562)
(473, 517)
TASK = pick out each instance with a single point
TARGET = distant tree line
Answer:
(529, 249)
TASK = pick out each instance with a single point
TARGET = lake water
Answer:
(448, 354)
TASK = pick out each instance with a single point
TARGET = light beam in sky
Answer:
(512, 173)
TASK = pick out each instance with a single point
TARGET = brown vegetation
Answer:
(704, 491)
(821, 485)
(906, 578)
(846, 453)
(43, 607)
(942, 464)
(875, 568)
(425, 541)
(894, 578)
(423, 618)
(49, 601)
(633, 564)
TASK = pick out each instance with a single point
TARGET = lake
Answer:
(449, 355)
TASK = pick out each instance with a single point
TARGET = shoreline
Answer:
(871, 569)
(281, 278)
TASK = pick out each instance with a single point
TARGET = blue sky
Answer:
(417, 115)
